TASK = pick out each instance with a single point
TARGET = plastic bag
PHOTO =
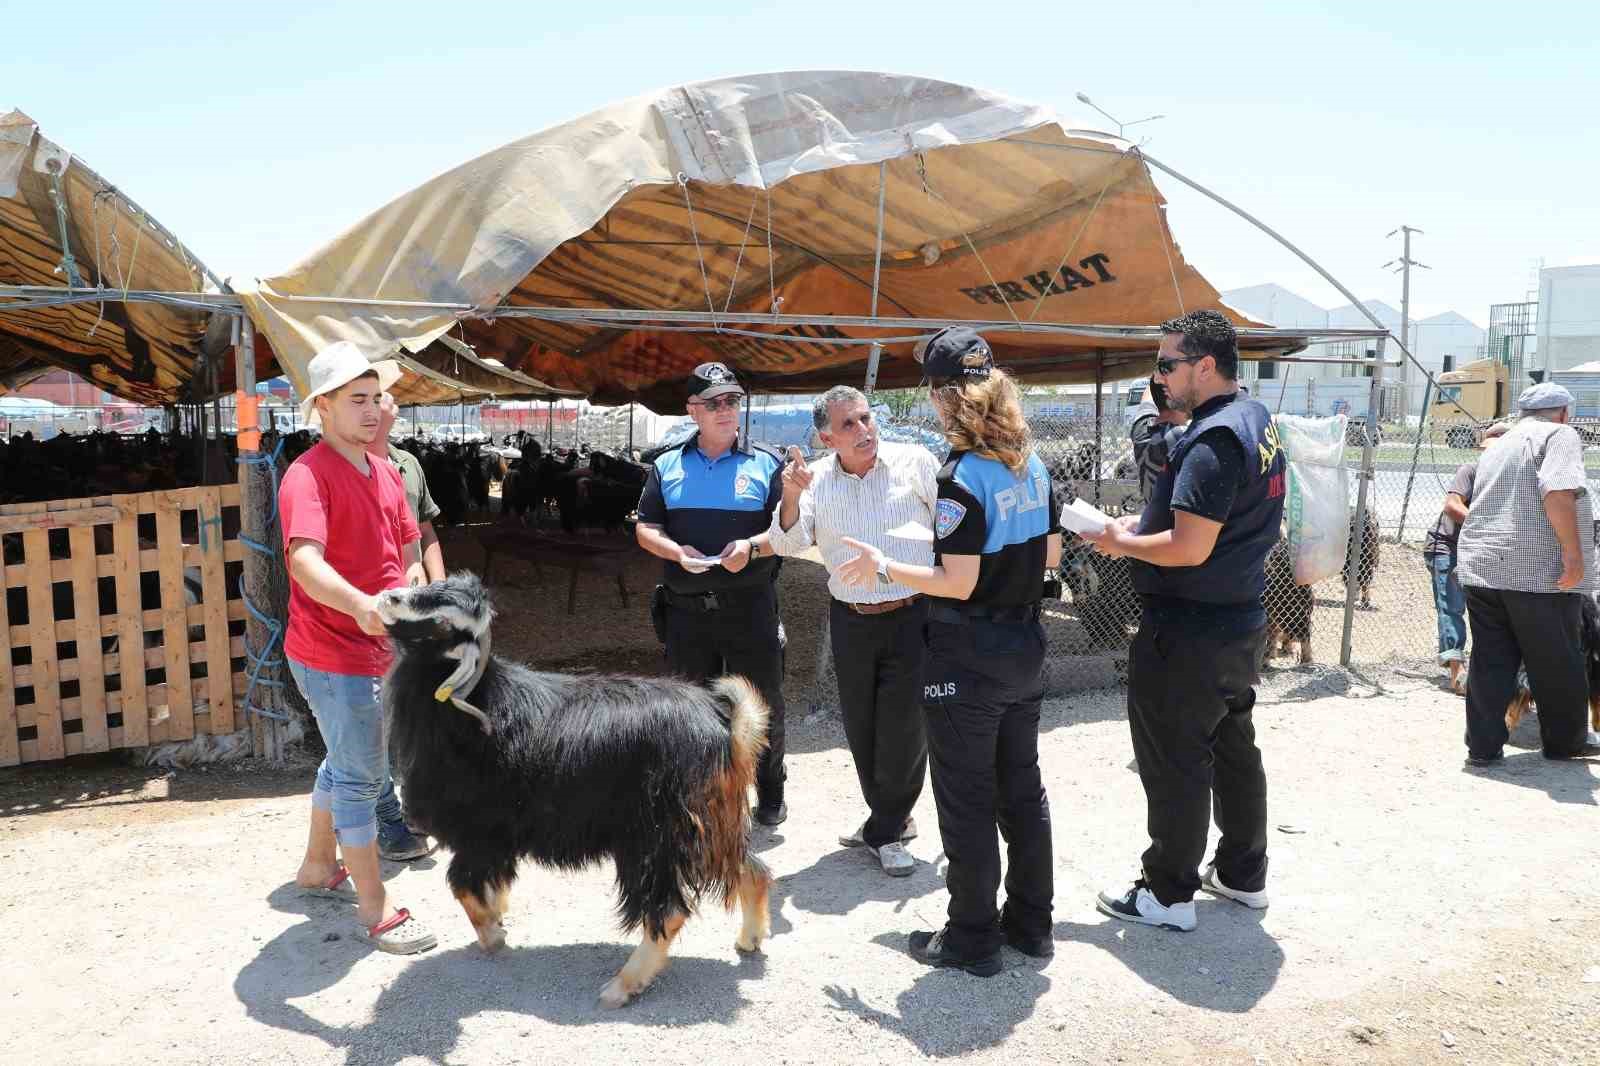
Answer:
(1316, 510)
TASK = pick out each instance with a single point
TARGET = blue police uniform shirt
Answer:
(1229, 468)
(1005, 519)
(707, 504)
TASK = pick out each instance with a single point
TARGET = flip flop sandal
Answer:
(339, 886)
(400, 935)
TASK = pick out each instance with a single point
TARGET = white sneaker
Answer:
(858, 838)
(1139, 904)
(895, 859)
(1256, 901)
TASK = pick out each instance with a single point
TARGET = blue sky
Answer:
(256, 133)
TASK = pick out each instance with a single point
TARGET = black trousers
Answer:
(737, 639)
(879, 661)
(1190, 698)
(983, 685)
(1543, 631)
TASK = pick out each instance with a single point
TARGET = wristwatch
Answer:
(883, 572)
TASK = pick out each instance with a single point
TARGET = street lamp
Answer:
(1084, 99)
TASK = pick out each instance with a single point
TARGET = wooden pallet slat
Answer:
(185, 499)
(130, 629)
(86, 616)
(42, 640)
(174, 619)
(82, 516)
(183, 704)
(16, 576)
(154, 619)
(111, 661)
(159, 696)
(214, 604)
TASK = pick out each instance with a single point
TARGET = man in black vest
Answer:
(1198, 557)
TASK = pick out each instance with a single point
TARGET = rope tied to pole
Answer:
(694, 231)
(1166, 244)
(1073, 244)
(262, 659)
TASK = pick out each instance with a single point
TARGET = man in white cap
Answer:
(1525, 556)
(348, 535)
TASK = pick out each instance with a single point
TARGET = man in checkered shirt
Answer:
(1526, 555)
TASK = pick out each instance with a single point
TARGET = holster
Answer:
(658, 612)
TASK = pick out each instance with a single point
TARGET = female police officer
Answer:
(995, 534)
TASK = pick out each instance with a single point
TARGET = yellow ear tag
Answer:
(442, 693)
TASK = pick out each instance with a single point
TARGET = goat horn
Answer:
(468, 666)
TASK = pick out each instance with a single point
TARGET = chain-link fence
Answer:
(1393, 622)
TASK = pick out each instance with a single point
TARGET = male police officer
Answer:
(1156, 428)
(705, 511)
(1198, 559)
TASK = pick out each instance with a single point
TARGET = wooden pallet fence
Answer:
(121, 624)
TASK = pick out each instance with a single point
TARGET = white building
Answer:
(1569, 317)
(1440, 342)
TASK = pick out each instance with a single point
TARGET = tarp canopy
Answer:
(62, 225)
(564, 255)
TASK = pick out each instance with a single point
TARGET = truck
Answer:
(1480, 392)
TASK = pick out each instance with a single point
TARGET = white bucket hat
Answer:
(336, 366)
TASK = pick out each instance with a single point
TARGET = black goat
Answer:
(1370, 550)
(1102, 592)
(1288, 607)
(651, 773)
(1589, 637)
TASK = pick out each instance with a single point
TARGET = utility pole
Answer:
(1405, 263)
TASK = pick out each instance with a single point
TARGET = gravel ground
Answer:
(1420, 914)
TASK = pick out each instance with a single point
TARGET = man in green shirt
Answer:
(423, 509)
(397, 841)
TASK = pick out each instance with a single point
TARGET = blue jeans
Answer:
(353, 781)
(1451, 604)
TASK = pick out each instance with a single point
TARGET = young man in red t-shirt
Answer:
(348, 535)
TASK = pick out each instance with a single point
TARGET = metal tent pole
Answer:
(1352, 574)
(875, 353)
(1099, 425)
(1304, 258)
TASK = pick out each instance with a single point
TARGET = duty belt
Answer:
(715, 600)
(880, 608)
(960, 616)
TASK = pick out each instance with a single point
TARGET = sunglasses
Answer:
(1167, 366)
(729, 402)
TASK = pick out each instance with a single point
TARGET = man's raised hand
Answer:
(797, 477)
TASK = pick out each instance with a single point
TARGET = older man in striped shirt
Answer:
(884, 494)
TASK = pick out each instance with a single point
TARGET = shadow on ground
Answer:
(1565, 781)
(108, 780)
(423, 1010)
(930, 1018)
(1226, 964)
(842, 880)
